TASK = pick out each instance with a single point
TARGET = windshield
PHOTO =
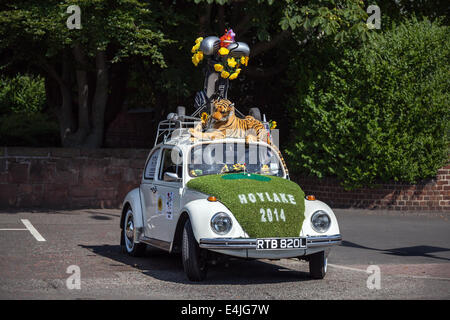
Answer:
(217, 158)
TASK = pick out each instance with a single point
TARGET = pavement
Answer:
(40, 250)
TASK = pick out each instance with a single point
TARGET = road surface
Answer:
(37, 249)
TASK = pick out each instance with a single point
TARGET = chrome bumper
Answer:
(247, 243)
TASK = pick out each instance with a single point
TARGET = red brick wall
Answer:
(430, 195)
(72, 178)
(68, 178)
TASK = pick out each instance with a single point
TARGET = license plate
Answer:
(280, 243)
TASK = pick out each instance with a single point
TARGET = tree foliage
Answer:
(379, 112)
(22, 94)
(312, 53)
(23, 121)
(276, 33)
(87, 59)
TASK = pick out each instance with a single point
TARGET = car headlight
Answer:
(221, 223)
(320, 221)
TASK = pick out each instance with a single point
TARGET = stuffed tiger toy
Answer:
(224, 123)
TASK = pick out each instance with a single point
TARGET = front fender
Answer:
(200, 213)
(312, 206)
(133, 199)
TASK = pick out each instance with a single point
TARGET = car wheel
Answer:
(128, 234)
(194, 258)
(318, 265)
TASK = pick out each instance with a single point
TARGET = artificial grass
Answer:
(258, 191)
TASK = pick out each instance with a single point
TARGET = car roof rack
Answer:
(174, 122)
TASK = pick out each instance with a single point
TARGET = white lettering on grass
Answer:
(267, 215)
(275, 198)
(291, 199)
(266, 197)
(251, 197)
(242, 198)
(282, 216)
(263, 215)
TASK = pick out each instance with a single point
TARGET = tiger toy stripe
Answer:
(224, 123)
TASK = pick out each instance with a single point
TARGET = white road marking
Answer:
(345, 268)
(392, 275)
(32, 230)
(13, 229)
(423, 277)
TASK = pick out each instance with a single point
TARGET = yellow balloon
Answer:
(223, 51)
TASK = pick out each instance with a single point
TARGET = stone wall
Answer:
(68, 178)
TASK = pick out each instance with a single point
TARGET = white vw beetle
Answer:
(165, 213)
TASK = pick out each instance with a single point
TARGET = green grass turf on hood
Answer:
(265, 206)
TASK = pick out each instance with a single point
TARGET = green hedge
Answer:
(23, 121)
(378, 113)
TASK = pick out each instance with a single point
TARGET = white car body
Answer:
(162, 225)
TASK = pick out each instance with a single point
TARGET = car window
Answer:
(171, 162)
(222, 158)
(150, 170)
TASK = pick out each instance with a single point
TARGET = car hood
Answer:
(264, 206)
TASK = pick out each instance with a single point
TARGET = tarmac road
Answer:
(411, 250)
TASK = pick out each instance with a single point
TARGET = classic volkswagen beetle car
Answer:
(226, 196)
(199, 198)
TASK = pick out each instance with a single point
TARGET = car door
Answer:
(149, 198)
(167, 192)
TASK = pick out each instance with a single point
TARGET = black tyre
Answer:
(194, 258)
(318, 265)
(255, 113)
(128, 234)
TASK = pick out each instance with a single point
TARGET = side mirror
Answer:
(171, 176)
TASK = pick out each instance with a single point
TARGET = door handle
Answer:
(154, 189)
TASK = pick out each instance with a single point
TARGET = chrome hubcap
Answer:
(129, 231)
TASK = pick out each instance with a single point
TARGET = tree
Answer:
(377, 112)
(84, 67)
(277, 33)
(22, 119)
(134, 39)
